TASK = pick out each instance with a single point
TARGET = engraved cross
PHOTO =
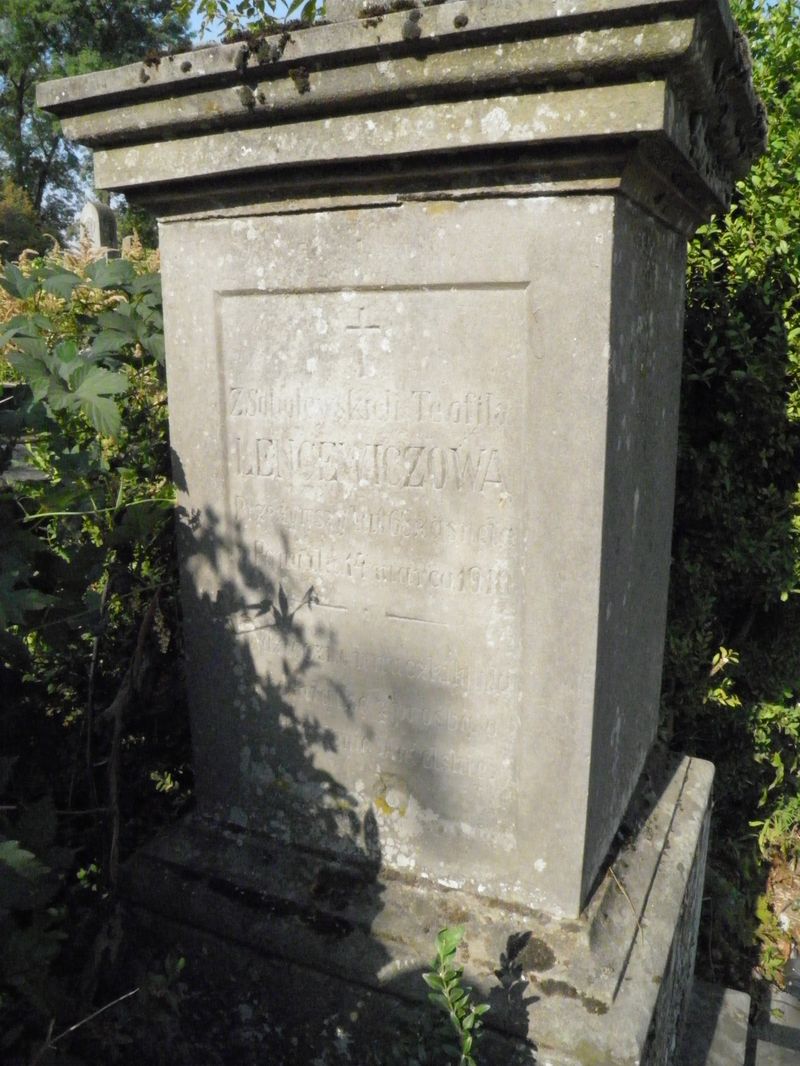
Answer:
(363, 331)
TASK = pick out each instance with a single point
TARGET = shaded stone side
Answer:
(676, 984)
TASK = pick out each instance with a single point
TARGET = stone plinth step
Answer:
(716, 1027)
(717, 1033)
(778, 1032)
(773, 1055)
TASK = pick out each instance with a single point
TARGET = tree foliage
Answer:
(42, 39)
(20, 226)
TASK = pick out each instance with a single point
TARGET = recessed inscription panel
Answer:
(373, 455)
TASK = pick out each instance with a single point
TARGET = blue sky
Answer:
(194, 22)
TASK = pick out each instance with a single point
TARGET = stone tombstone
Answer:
(423, 279)
(98, 226)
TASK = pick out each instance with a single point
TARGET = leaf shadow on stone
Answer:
(276, 898)
(510, 999)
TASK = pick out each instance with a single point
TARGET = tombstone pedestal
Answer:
(423, 281)
(327, 950)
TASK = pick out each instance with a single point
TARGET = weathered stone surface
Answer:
(340, 10)
(607, 111)
(578, 993)
(535, 61)
(768, 1054)
(716, 1027)
(778, 1031)
(699, 122)
(428, 499)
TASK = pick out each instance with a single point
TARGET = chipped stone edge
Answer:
(347, 41)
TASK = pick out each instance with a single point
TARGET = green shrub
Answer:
(88, 620)
(732, 672)
(20, 226)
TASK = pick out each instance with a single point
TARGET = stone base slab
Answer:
(716, 1027)
(340, 953)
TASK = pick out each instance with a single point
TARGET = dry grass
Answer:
(783, 891)
(87, 299)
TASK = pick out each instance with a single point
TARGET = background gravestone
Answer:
(98, 226)
(423, 280)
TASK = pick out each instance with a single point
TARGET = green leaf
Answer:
(34, 371)
(34, 346)
(66, 351)
(448, 940)
(26, 326)
(62, 284)
(110, 341)
(118, 320)
(104, 415)
(439, 1000)
(111, 273)
(16, 283)
(15, 602)
(59, 397)
(92, 388)
(155, 346)
(68, 358)
(140, 521)
(147, 284)
(24, 863)
(98, 381)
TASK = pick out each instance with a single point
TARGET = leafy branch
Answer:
(237, 15)
(451, 996)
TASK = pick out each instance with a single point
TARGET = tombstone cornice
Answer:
(655, 97)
